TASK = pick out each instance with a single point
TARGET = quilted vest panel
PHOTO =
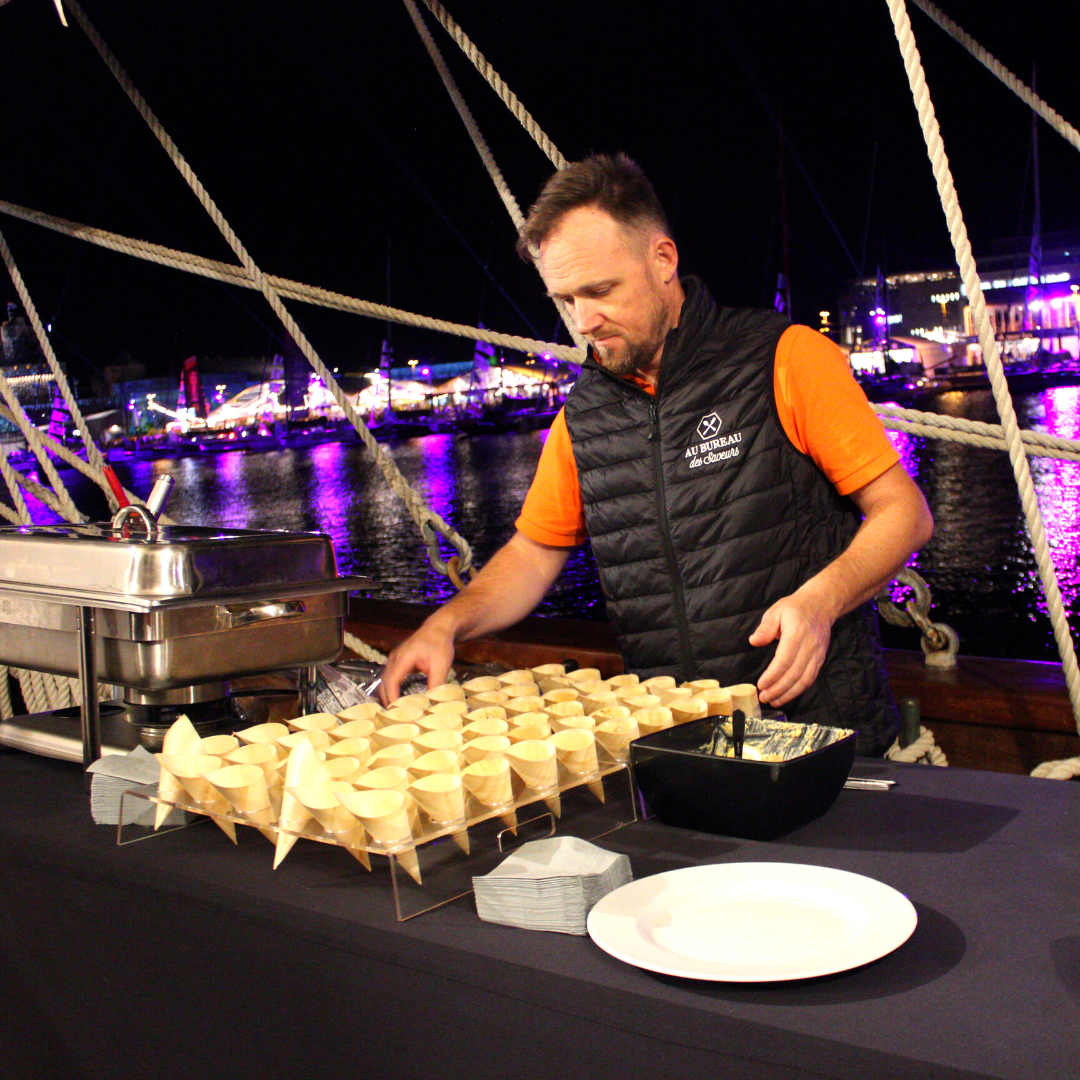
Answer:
(702, 513)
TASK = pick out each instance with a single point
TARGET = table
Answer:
(186, 956)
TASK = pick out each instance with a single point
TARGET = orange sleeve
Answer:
(825, 412)
(553, 512)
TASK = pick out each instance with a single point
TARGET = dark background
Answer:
(325, 136)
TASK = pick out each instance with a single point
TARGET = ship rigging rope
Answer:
(506, 95)
(969, 274)
(482, 148)
(1017, 86)
(427, 520)
(287, 288)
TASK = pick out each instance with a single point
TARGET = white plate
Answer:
(752, 922)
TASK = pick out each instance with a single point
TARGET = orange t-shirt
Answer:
(822, 408)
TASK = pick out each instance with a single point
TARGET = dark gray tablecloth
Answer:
(187, 957)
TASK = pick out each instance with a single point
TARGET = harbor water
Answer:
(979, 565)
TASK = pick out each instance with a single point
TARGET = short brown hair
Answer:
(613, 183)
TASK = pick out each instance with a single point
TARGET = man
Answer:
(741, 498)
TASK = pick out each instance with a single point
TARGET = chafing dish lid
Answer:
(130, 569)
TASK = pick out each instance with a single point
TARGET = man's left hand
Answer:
(802, 626)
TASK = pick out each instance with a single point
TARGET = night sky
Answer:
(323, 132)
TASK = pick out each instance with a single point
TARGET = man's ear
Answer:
(665, 258)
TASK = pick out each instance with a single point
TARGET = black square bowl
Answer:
(755, 800)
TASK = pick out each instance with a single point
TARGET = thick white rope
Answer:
(364, 650)
(506, 95)
(285, 287)
(21, 514)
(93, 454)
(999, 385)
(58, 500)
(429, 522)
(923, 750)
(1017, 86)
(974, 432)
(480, 143)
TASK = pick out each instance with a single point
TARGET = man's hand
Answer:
(803, 626)
(506, 590)
(896, 522)
(430, 650)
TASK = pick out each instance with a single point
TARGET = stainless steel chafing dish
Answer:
(167, 612)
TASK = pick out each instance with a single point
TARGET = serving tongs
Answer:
(738, 732)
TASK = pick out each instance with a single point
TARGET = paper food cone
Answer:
(718, 701)
(181, 738)
(687, 709)
(219, 745)
(518, 675)
(486, 746)
(343, 768)
(480, 728)
(394, 735)
(673, 693)
(169, 790)
(658, 682)
(245, 788)
(617, 682)
(576, 752)
(636, 702)
(441, 722)
(435, 761)
(321, 801)
(547, 683)
(385, 778)
(190, 770)
(439, 740)
(615, 736)
(534, 761)
(480, 685)
(262, 754)
(488, 697)
(367, 710)
(583, 674)
(319, 739)
(538, 727)
(445, 692)
(488, 780)
(355, 748)
(563, 693)
(610, 712)
(413, 701)
(399, 755)
(485, 712)
(544, 670)
(698, 685)
(320, 721)
(558, 710)
(585, 687)
(303, 766)
(744, 696)
(520, 690)
(269, 733)
(525, 703)
(398, 714)
(654, 718)
(384, 815)
(456, 707)
(352, 729)
(442, 798)
(570, 722)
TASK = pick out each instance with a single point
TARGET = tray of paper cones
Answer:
(383, 780)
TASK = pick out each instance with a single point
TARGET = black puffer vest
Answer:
(702, 514)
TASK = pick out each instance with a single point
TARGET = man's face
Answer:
(617, 286)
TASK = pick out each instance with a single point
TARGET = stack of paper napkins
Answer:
(550, 884)
(117, 773)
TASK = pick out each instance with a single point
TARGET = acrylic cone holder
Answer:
(534, 761)
(190, 772)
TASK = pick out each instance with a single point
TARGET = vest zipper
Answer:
(665, 532)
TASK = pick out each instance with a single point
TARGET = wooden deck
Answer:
(1003, 715)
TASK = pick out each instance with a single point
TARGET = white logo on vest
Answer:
(713, 447)
(710, 426)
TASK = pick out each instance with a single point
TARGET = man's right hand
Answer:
(430, 650)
